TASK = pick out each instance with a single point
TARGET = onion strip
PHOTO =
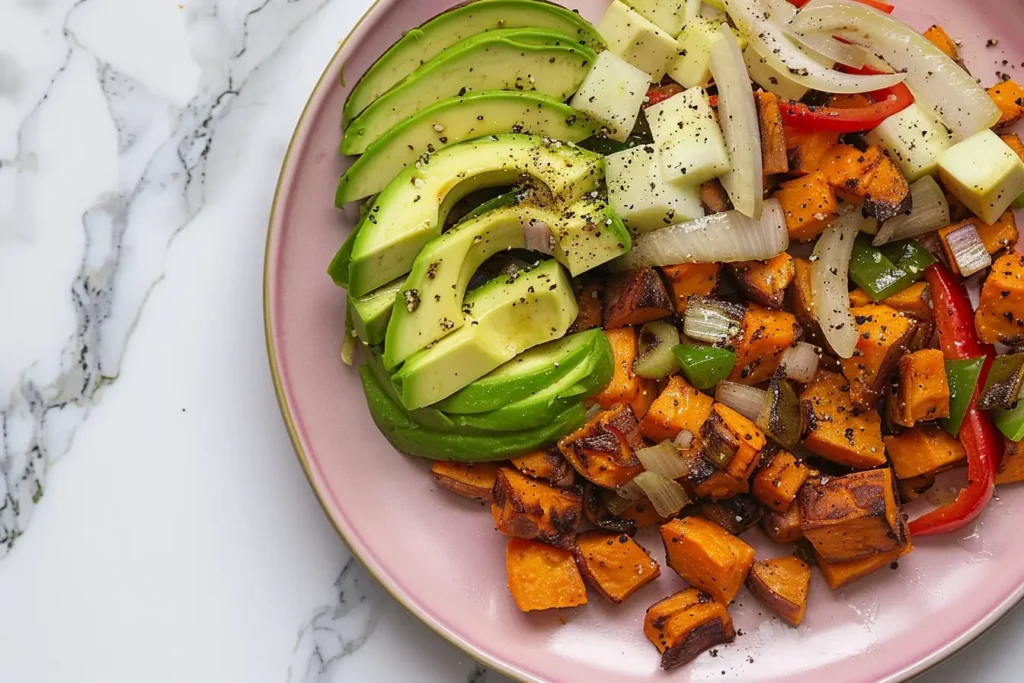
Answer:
(663, 459)
(830, 277)
(745, 400)
(930, 212)
(800, 362)
(666, 495)
(824, 45)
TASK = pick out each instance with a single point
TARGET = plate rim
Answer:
(351, 539)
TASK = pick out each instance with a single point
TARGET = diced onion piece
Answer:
(824, 45)
(800, 362)
(615, 504)
(712, 321)
(737, 114)
(782, 11)
(777, 49)
(692, 10)
(684, 439)
(538, 237)
(712, 13)
(745, 400)
(655, 359)
(666, 495)
(663, 459)
(968, 250)
(938, 82)
(830, 274)
(593, 411)
(930, 212)
(725, 237)
(630, 491)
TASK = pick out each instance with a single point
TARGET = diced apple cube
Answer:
(613, 93)
(640, 196)
(637, 40)
(668, 15)
(984, 173)
(914, 139)
(687, 134)
(692, 64)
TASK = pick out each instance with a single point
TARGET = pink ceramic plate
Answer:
(439, 555)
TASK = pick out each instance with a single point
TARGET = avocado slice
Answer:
(441, 272)
(537, 60)
(422, 44)
(505, 317)
(412, 208)
(371, 312)
(452, 120)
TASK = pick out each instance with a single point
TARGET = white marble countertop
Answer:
(154, 523)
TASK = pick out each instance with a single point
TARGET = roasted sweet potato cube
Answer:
(938, 36)
(614, 564)
(782, 586)
(732, 441)
(839, 574)
(691, 279)
(469, 480)
(1000, 313)
(707, 556)
(533, 509)
(759, 348)
(800, 296)
(809, 204)
(603, 450)
(884, 334)
(911, 489)
(542, 577)
(766, 281)
(925, 449)
(774, 158)
(590, 302)
(1011, 469)
(685, 624)
(1014, 142)
(837, 431)
(923, 392)
(854, 516)
(779, 479)
(547, 463)
(634, 297)
(870, 178)
(783, 527)
(644, 398)
(643, 514)
(1009, 97)
(808, 149)
(914, 301)
(996, 237)
(678, 407)
(735, 515)
(714, 198)
(625, 385)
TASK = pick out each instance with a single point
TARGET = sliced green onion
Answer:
(655, 359)
(1004, 382)
(704, 366)
(962, 377)
(889, 269)
(968, 250)
(930, 212)
(780, 417)
(666, 495)
(663, 459)
(712, 321)
(745, 400)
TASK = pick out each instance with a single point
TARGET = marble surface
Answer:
(154, 524)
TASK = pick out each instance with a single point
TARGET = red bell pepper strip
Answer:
(660, 93)
(877, 4)
(888, 101)
(958, 338)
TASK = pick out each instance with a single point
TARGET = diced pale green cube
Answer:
(687, 134)
(692, 63)
(914, 139)
(637, 40)
(770, 79)
(668, 15)
(613, 93)
(638, 193)
(984, 173)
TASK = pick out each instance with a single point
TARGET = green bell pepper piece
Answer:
(1011, 421)
(704, 366)
(889, 269)
(962, 376)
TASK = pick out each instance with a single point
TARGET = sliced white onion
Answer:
(684, 439)
(826, 46)
(777, 49)
(692, 10)
(712, 321)
(616, 504)
(663, 459)
(538, 237)
(737, 114)
(930, 212)
(800, 362)
(782, 11)
(938, 82)
(630, 491)
(667, 496)
(830, 273)
(712, 13)
(745, 400)
(725, 237)
(968, 250)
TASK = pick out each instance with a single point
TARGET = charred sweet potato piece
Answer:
(678, 407)
(854, 516)
(774, 158)
(590, 302)
(691, 279)
(766, 281)
(923, 392)
(800, 297)
(837, 432)
(884, 336)
(625, 385)
(548, 464)
(614, 564)
(469, 480)
(542, 577)
(644, 398)
(714, 197)
(603, 450)
(996, 238)
(911, 489)
(925, 449)
(1009, 97)
(870, 178)
(839, 574)
(1000, 313)
(783, 527)
(707, 556)
(532, 509)
(782, 586)
(940, 39)
(914, 301)
(808, 149)
(765, 336)
(1011, 469)
(643, 514)
(732, 442)
(735, 515)
(809, 204)
(779, 479)
(685, 624)
(1014, 142)
(635, 297)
